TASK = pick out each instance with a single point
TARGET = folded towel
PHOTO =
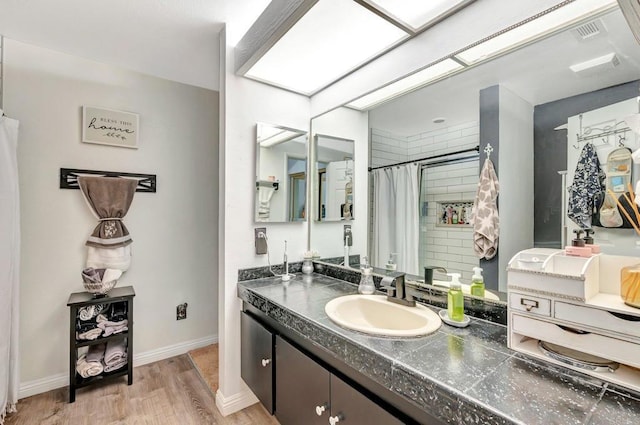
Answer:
(90, 334)
(486, 222)
(87, 369)
(96, 353)
(91, 275)
(115, 352)
(116, 365)
(90, 311)
(111, 328)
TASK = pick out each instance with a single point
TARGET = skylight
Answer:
(329, 41)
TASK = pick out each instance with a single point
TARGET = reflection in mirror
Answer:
(334, 174)
(281, 174)
(556, 81)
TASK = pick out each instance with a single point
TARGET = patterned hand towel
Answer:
(87, 369)
(588, 183)
(486, 222)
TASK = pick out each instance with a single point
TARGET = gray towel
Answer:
(115, 352)
(486, 221)
(96, 353)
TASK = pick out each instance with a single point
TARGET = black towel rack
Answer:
(69, 178)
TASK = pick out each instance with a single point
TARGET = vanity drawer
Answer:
(598, 345)
(530, 304)
(602, 319)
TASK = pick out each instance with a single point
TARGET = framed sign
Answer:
(109, 127)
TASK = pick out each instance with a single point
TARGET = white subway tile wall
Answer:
(446, 246)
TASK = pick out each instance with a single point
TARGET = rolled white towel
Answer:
(90, 311)
(87, 369)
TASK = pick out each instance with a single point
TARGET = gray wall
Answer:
(550, 154)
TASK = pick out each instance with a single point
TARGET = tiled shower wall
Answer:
(446, 246)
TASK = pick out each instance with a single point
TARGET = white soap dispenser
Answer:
(366, 286)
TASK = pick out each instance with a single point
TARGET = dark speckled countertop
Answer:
(460, 375)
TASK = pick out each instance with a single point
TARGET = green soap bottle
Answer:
(455, 299)
(477, 283)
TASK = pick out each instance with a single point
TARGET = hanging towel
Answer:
(588, 184)
(264, 201)
(486, 222)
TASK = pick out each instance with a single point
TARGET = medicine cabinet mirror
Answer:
(281, 174)
(333, 178)
(445, 117)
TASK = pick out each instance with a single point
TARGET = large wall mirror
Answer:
(590, 66)
(281, 174)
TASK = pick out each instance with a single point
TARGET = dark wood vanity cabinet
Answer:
(308, 393)
(257, 360)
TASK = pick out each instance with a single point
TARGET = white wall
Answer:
(174, 230)
(516, 179)
(244, 103)
(327, 237)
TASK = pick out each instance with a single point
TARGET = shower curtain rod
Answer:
(442, 155)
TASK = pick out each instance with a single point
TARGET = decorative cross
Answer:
(488, 149)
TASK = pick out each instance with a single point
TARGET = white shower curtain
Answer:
(9, 265)
(396, 192)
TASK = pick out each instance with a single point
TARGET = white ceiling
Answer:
(173, 39)
(538, 73)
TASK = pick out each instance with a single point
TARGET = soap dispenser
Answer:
(578, 248)
(455, 299)
(477, 283)
(366, 286)
(391, 265)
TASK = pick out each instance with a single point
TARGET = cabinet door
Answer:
(302, 387)
(257, 360)
(348, 406)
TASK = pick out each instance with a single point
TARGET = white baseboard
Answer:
(38, 386)
(235, 402)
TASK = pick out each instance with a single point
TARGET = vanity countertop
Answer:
(459, 375)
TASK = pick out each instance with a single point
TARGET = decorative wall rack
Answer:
(69, 178)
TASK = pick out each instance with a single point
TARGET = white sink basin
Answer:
(373, 314)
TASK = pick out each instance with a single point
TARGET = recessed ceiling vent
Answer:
(589, 30)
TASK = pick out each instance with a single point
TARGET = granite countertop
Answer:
(459, 375)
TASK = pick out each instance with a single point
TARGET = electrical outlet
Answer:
(181, 311)
(261, 240)
(347, 236)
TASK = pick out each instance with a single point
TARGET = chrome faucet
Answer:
(396, 290)
(428, 273)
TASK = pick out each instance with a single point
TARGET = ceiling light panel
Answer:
(409, 83)
(329, 41)
(532, 30)
(416, 13)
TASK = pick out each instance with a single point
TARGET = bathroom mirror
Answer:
(445, 117)
(333, 178)
(281, 174)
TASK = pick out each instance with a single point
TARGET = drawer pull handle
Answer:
(627, 317)
(529, 304)
(573, 330)
(333, 420)
(321, 409)
(265, 362)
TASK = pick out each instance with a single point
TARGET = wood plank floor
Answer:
(165, 393)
